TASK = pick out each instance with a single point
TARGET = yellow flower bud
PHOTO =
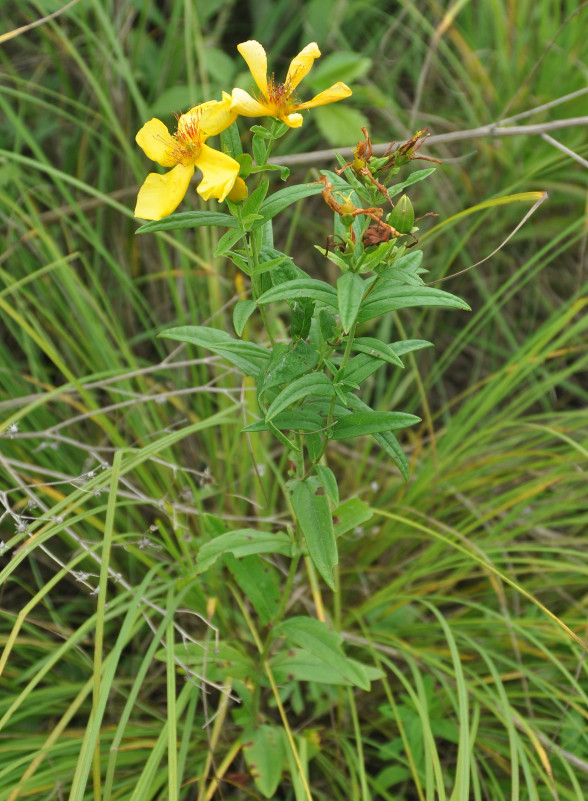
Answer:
(239, 191)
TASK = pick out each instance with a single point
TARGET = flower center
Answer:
(280, 95)
(187, 139)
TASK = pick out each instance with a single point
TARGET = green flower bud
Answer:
(402, 217)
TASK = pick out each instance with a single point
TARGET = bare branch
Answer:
(564, 149)
(493, 130)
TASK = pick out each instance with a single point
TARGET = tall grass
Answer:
(120, 454)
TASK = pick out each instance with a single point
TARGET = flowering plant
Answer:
(307, 384)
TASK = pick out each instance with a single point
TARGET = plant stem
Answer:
(346, 355)
(256, 283)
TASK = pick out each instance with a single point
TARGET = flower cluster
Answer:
(185, 150)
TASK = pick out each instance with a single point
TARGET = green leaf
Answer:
(247, 356)
(282, 438)
(270, 264)
(230, 137)
(389, 296)
(255, 199)
(314, 516)
(309, 384)
(350, 290)
(284, 171)
(329, 482)
(286, 270)
(386, 440)
(417, 176)
(239, 261)
(292, 420)
(299, 665)
(266, 756)
(343, 262)
(358, 424)
(301, 288)
(340, 125)
(257, 579)
(302, 314)
(358, 369)
(242, 542)
(408, 345)
(262, 131)
(352, 513)
(410, 261)
(245, 165)
(227, 240)
(374, 347)
(314, 445)
(287, 363)
(259, 149)
(283, 198)
(328, 325)
(317, 639)
(188, 219)
(241, 313)
(224, 661)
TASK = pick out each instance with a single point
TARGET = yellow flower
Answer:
(184, 151)
(279, 99)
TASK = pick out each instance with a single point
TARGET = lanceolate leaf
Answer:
(374, 347)
(410, 262)
(287, 363)
(243, 542)
(227, 240)
(301, 288)
(283, 198)
(301, 665)
(241, 313)
(317, 639)
(302, 314)
(266, 754)
(389, 296)
(408, 345)
(247, 356)
(188, 219)
(358, 424)
(386, 440)
(358, 369)
(329, 482)
(259, 581)
(350, 289)
(417, 176)
(314, 516)
(310, 384)
(352, 512)
(292, 420)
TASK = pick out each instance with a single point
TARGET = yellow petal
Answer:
(256, 59)
(300, 66)
(219, 173)
(157, 143)
(292, 120)
(338, 91)
(246, 105)
(211, 117)
(162, 194)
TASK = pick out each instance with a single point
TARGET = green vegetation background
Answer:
(468, 584)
